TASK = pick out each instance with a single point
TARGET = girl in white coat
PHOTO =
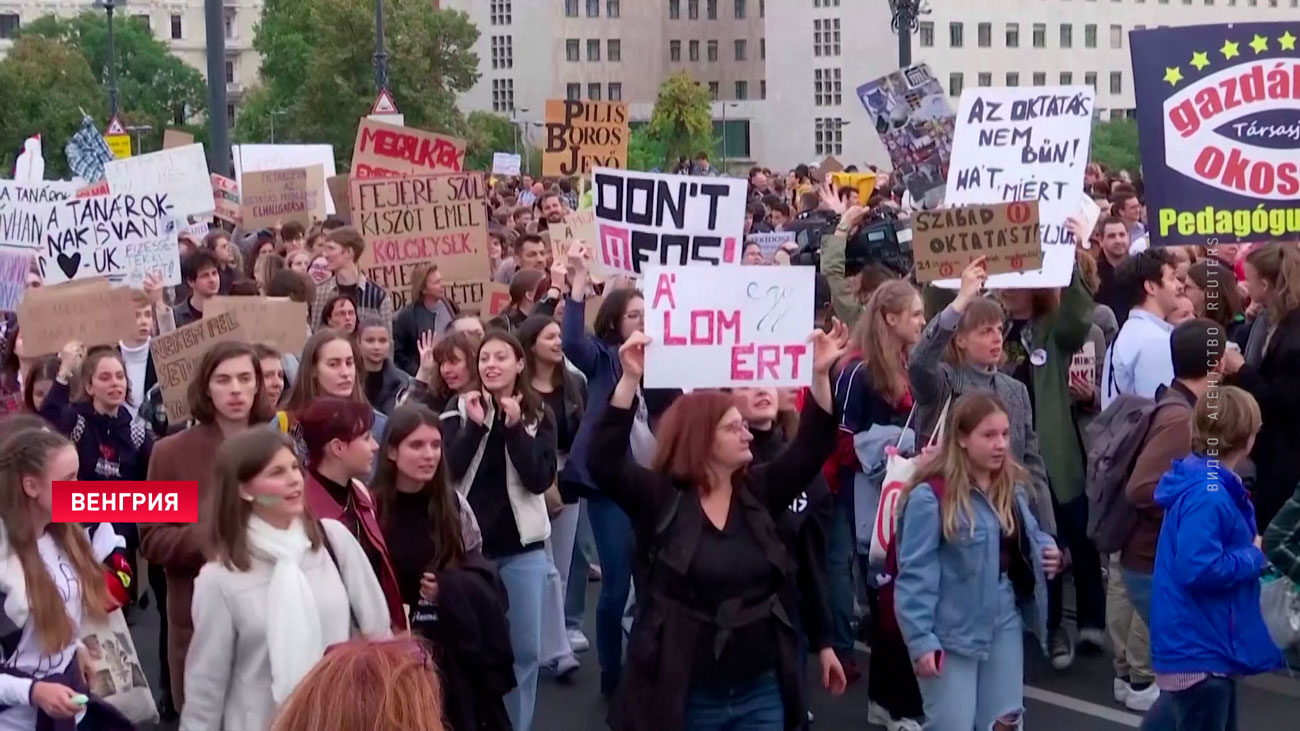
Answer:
(279, 589)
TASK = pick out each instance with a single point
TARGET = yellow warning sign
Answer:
(120, 145)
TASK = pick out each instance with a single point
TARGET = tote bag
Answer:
(899, 471)
(114, 673)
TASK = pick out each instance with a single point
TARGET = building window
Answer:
(1067, 35)
(827, 88)
(926, 33)
(713, 90)
(675, 50)
(826, 37)
(593, 49)
(1013, 35)
(740, 9)
(711, 50)
(612, 9)
(984, 35)
(1117, 82)
(1090, 78)
(1013, 78)
(615, 91)
(741, 48)
(571, 8)
(955, 38)
(986, 79)
(829, 136)
(762, 89)
(571, 52)
(693, 9)
(9, 23)
(615, 50)
(593, 8)
(1040, 78)
(228, 21)
(503, 95)
(1067, 78)
(1116, 36)
(1040, 35)
(230, 72)
(695, 50)
(1090, 36)
(500, 12)
(593, 92)
(742, 89)
(711, 9)
(762, 7)
(144, 21)
(955, 84)
(674, 9)
(573, 92)
(762, 49)
(176, 27)
(503, 54)
(826, 3)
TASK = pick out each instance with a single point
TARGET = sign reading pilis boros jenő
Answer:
(1219, 123)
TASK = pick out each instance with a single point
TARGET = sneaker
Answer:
(902, 724)
(578, 642)
(1091, 641)
(1121, 689)
(877, 715)
(1142, 700)
(1062, 650)
(565, 667)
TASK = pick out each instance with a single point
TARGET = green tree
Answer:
(316, 68)
(682, 120)
(155, 88)
(1115, 144)
(487, 133)
(643, 151)
(46, 84)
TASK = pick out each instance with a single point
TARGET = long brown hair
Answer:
(26, 453)
(239, 459)
(1215, 278)
(444, 509)
(1279, 265)
(953, 465)
(200, 398)
(90, 364)
(882, 352)
(443, 350)
(684, 443)
(532, 406)
(304, 386)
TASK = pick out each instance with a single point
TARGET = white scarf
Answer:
(293, 633)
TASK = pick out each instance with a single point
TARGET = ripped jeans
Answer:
(971, 693)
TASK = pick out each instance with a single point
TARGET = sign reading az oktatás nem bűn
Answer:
(645, 219)
(1219, 125)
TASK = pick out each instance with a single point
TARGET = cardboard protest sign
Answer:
(1219, 125)
(225, 195)
(176, 138)
(769, 243)
(271, 197)
(14, 266)
(909, 109)
(1091, 213)
(45, 191)
(90, 312)
(496, 298)
(386, 150)
(90, 191)
(643, 219)
(181, 171)
(583, 135)
(719, 327)
(120, 237)
(256, 158)
(338, 186)
(1025, 144)
(578, 226)
(275, 320)
(946, 240)
(470, 296)
(176, 356)
(1083, 366)
(505, 163)
(195, 231)
(411, 221)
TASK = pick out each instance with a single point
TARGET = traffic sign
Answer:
(385, 109)
(119, 142)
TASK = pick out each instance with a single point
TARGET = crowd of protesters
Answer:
(400, 521)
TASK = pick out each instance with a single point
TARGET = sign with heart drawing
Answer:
(118, 237)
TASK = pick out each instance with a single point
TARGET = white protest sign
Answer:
(728, 326)
(646, 219)
(120, 237)
(1023, 144)
(260, 158)
(1083, 365)
(769, 243)
(22, 225)
(505, 163)
(43, 191)
(1091, 213)
(181, 171)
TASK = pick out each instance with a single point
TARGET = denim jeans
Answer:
(970, 693)
(1085, 565)
(754, 706)
(575, 589)
(1138, 587)
(1210, 705)
(840, 550)
(525, 576)
(615, 544)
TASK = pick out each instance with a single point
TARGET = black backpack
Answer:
(1116, 436)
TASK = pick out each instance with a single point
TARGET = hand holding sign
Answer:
(972, 281)
(829, 347)
(70, 361)
(1074, 224)
(632, 355)
(578, 256)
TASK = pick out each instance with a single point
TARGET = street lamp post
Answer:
(109, 6)
(906, 21)
(724, 133)
(218, 123)
(136, 129)
(381, 55)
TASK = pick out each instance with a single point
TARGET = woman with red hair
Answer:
(713, 630)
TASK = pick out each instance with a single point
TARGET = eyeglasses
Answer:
(735, 428)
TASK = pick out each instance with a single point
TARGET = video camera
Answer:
(882, 239)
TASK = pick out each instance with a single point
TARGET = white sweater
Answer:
(228, 667)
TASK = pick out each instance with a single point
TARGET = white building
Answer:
(179, 24)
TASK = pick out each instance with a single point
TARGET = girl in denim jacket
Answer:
(973, 568)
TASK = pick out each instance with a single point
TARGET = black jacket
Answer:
(667, 522)
(1275, 384)
(394, 381)
(110, 447)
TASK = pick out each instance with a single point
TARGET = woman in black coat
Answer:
(713, 632)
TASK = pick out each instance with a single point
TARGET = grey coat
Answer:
(933, 381)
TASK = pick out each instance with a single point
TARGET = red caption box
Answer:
(126, 502)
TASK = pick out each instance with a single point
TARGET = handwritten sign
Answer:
(1083, 366)
(225, 194)
(645, 219)
(505, 163)
(46, 191)
(946, 240)
(176, 356)
(338, 185)
(276, 320)
(428, 218)
(120, 237)
(94, 189)
(22, 225)
(386, 150)
(181, 171)
(91, 312)
(496, 298)
(770, 243)
(719, 327)
(256, 158)
(470, 296)
(583, 135)
(14, 266)
(271, 197)
(1025, 144)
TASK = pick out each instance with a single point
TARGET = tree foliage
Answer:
(1115, 144)
(155, 88)
(682, 120)
(46, 84)
(487, 133)
(317, 70)
(643, 151)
